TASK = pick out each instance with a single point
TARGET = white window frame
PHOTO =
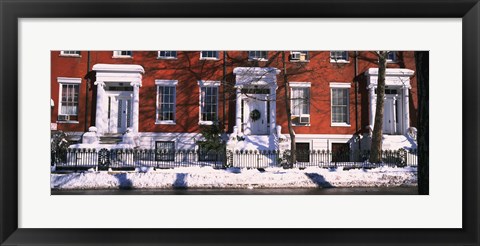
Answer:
(118, 54)
(333, 58)
(340, 85)
(395, 58)
(209, 58)
(307, 57)
(206, 83)
(67, 81)
(170, 83)
(63, 53)
(295, 85)
(251, 58)
(167, 57)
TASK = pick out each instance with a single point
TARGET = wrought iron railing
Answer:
(104, 159)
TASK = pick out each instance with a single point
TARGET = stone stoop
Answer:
(111, 139)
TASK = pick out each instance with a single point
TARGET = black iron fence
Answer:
(125, 159)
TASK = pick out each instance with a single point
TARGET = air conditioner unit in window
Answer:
(304, 119)
(295, 56)
(64, 117)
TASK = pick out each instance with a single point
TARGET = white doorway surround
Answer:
(396, 118)
(118, 88)
(256, 92)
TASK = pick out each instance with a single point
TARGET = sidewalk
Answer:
(207, 177)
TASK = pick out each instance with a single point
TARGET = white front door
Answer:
(255, 103)
(389, 117)
(119, 112)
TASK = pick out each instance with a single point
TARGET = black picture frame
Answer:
(12, 10)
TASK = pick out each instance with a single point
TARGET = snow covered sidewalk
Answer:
(207, 177)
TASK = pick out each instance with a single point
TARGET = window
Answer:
(166, 99)
(208, 101)
(257, 55)
(340, 104)
(340, 152)
(300, 102)
(164, 151)
(303, 152)
(339, 56)
(299, 56)
(209, 55)
(392, 56)
(68, 100)
(122, 54)
(167, 54)
(70, 53)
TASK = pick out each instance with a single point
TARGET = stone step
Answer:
(111, 139)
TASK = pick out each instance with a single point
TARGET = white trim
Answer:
(210, 58)
(339, 61)
(70, 55)
(101, 67)
(166, 82)
(340, 85)
(250, 58)
(166, 57)
(68, 122)
(391, 72)
(165, 122)
(208, 83)
(297, 85)
(205, 122)
(340, 124)
(300, 84)
(117, 54)
(67, 80)
(332, 60)
(336, 85)
(393, 60)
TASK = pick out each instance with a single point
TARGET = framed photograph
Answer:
(44, 40)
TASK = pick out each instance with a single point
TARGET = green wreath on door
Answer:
(255, 115)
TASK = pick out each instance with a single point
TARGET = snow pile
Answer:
(395, 142)
(207, 177)
(256, 142)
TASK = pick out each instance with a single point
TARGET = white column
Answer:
(372, 97)
(406, 113)
(135, 105)
(273, 110)
(101, 111)
(394, 106)
(238, 112)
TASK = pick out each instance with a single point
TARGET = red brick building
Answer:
(167, 96)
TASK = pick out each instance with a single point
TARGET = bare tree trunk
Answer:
(293, 146)
(376, 148)
(422, 63)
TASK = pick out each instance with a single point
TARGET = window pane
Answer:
(300, 101)
(209, 54)
(340, 105)
(166, 103)
(69, 99)
(208, 103)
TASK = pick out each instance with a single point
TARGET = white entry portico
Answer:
(396, 115)
(118, 88)
(256, 100)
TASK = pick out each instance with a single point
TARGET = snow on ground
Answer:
(395, 142)
(207, 177)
